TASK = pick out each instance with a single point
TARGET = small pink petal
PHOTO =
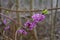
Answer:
(4, 21)
(6, 28)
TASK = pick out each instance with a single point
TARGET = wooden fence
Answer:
(11, 36)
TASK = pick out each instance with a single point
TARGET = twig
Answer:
(6, 36)
(35, 33)
(16, 33)
(26, 10)
(9, 18)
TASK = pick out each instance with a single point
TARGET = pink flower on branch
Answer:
(38, 17)
(22, 31)
(6, 28)
(4, 21)
(29, 25)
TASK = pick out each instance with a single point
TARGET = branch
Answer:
(9, 18)
(27, 10)
(16, 33)
(6, 36)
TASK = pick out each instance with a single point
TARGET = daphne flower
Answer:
(6, 28)
(27, 23)
(38, 17)
(30, 25)
(4, 21)
(22, 31)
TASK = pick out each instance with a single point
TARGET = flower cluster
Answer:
(22, 31)
(31, 24)
(38, 17)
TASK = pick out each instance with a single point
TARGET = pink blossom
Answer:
(22, 31)
(6, 28)
(38, 17)
(4, 21)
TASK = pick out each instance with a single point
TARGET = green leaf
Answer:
(45, 11)
(40, 0)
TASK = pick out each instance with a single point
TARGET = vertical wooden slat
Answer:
(44, 22)
(8, 15)
(17, 13)
(0, 9)
(51, 38)
(0, 15)
(34, 31)
(18, 16)
(45, 4)
(30, 7)
(54, 20)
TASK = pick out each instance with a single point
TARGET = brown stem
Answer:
(9, 18)
(6, 36)
(27, 10)
(16, 33)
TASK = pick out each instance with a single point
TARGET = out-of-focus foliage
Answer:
(27, 1)
(40, 0)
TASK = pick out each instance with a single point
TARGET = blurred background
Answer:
(49, 29)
